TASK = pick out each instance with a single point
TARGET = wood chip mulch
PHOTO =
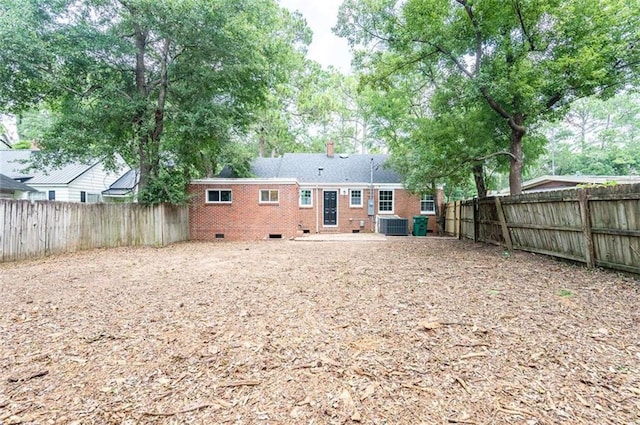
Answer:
(403, 331)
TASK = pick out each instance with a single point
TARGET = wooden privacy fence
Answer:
(35, 229)
(599, 226)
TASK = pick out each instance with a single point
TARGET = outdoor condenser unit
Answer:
(394, 226)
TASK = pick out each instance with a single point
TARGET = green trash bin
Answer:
(420, 225)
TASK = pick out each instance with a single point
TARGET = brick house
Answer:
(304, 193)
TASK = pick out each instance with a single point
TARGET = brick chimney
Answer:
(330, 149)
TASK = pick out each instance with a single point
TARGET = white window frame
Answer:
(94, 198)
(270, 201)
(424, 199)
(207, 201)
(37, 196)
(310, 204)
(393, 200)
(351, 204)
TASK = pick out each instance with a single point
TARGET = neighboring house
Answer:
(69, 183)
(546, 183)
(124, 189)
(304, 193)
(13, 189)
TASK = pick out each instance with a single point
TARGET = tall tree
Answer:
(596, 137)
(526, 59)
(315, 106)
(163, 84)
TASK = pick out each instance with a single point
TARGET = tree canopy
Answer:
(163, 84)
(596, 137)
(524, 60)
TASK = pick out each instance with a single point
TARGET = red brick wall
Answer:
(406, 205)
(348, 217)
(245, 218)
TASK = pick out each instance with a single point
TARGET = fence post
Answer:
(503, 224)
(460, 214)
(475, 219)
(585, 216)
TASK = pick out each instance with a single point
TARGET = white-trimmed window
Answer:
(37, 196)
(355, 198)
(269, 196)
(305, 198)
(427, 204)
(385, 201)
(94, 198)
(218, 196)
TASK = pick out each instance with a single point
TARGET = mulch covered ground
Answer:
(407, 331)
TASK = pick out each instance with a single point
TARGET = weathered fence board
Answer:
(599, 226)
(35, 229)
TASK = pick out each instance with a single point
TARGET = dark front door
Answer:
(330, 207)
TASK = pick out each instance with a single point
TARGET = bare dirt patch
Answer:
(406, 331)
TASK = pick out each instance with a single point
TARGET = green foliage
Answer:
(238, 158)
(595, 138)
(33, 124)
(315, 106)
(23, 144)
(169, 186)
(155, 82)
(525, 60)
(565, 293)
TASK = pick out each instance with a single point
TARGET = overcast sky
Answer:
(321, 16)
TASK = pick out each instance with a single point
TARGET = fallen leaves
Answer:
(218, 404)
(403, 332)
(349, 406)
(239, 383)
(473, 355)
(28, 377)
(429, 325)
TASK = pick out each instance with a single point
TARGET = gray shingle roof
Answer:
(319, 168)
(7, 183)
(14, 164)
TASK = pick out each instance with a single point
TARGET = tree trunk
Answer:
(156, 134)
(261, 145)
(478, 176)
(141, 87)
(515, 171)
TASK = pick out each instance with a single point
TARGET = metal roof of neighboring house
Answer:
(576, 180)
(124, 185)
(547, 183)
(7, 183)
(312, 168)
(15, 164)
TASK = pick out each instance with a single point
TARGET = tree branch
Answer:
(492, 155)
(457, 166)
(476, 26)
(532, 47)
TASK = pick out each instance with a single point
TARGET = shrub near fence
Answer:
(599, 226)
(35, 229)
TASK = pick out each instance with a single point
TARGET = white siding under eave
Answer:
(14, 194)
(62, 192)
(93, 182)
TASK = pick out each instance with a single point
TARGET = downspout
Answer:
(317, 209)
(371, 201)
